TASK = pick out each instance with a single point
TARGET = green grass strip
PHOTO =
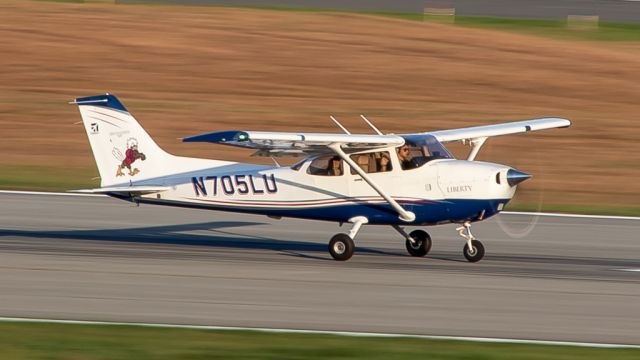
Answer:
(47, 178)
(555, 28)
(72, 341)
(602, 31)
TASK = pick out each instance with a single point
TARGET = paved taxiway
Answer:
(95, 258)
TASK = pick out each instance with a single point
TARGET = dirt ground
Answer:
(187, 70)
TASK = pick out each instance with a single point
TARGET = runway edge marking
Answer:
(323, 332)
(17, 192)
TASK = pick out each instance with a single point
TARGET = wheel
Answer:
(341, 247)
(476, 253)
(422, 243)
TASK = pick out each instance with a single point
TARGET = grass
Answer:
(46, 178)
(71, 341)
(556, 28)
(603, 31)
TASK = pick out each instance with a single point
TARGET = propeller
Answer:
(531, 191)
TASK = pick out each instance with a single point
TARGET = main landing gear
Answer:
(341, 246)
(417, 242)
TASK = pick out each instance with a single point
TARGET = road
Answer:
(95, 258)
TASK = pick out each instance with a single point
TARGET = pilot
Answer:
(334, 168)
(406, 160)
(384, 163)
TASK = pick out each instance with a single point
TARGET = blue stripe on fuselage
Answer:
(437, 212)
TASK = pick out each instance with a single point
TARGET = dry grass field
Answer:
(186, 70)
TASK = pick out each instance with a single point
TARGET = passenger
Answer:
(384, 163)
(406, 160)
(334, 168)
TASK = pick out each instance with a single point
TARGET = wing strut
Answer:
(371, 125)
(476, 144)
(405, 215)
(340, 125)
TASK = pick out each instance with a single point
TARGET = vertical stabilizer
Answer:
(123, 150)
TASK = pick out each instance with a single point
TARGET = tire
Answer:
(477, 254)
(341, 247)
(423, 245)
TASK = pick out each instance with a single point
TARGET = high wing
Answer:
(296, 144)
(268, 143)
(509, 128)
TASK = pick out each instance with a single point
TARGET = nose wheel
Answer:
(473, 250)
(474, 253)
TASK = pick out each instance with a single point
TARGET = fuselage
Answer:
(438, 191)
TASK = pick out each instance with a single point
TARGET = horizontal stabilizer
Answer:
(133, 190)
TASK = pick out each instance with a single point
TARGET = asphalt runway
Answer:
(95, 258)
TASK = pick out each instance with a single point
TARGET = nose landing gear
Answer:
(473, 249)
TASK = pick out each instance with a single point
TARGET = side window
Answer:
(372, 162)
(410, 156)
(326, 166)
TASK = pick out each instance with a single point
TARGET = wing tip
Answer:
(219, 137)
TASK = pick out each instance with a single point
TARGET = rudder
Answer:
(123, 150)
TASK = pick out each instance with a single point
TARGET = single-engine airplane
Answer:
(377, 179)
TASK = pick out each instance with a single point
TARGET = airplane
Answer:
(375, 179)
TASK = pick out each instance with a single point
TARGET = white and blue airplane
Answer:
(376, 179)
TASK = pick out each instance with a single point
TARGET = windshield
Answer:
(420, 149)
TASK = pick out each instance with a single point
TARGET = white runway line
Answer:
(47, 193)
(502, 213)
(630, 270)
(570, 215)
(321, 332)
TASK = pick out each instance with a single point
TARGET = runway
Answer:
(95, 258)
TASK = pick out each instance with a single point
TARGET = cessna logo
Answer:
(94, 128)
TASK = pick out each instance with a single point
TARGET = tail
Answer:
(123, 151)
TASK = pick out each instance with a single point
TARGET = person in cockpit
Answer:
(334, 168)
(406, 160)
(384, 163)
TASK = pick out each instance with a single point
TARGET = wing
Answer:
(486, 131)
(296, 144)
(124, 190)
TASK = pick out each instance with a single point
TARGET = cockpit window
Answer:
(326, 166)
(372, 162)
(419, 150)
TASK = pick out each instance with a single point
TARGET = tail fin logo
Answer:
(131, 155)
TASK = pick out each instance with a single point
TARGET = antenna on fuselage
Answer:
(340, 125)
(371, 125)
